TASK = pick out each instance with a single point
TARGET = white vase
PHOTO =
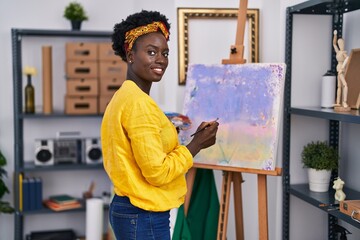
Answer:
(319, 180)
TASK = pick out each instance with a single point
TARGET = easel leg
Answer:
(190, 179)
(237, 180)
(263, 208)
(224, 206)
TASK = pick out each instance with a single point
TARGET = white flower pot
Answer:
(319, 180)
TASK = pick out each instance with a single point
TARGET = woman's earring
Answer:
(130, 61)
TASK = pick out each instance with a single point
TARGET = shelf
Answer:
(325, 7)
(336, 10)
(316, 198)
(351, 117)
(46, 210)
(57, 115)
(21, 166)
(60, 33)
(31, 167)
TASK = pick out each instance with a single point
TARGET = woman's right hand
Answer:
(204, 138)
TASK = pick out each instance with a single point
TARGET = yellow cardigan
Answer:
(141, 151)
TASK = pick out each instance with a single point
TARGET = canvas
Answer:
(247, 99)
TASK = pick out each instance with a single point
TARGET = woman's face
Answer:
(149, 58)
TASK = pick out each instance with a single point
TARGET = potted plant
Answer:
(320, 159)
(4, 206)
(76, 14)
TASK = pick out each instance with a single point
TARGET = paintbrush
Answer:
(329, 205)
(202, 129)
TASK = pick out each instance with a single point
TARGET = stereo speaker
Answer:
(44, 152)
(93, 153)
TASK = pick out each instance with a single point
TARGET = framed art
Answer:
(196, 25)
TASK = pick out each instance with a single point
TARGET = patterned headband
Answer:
(133, 34)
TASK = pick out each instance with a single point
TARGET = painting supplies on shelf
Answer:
(89, 193)
(330, 206)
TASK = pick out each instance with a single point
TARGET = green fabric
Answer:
(201, 222)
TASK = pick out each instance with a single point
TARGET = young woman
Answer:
(141, 151)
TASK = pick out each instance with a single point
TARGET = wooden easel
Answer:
(231, 175)
(237, 50)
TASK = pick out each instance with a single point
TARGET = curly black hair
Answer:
(133, 21)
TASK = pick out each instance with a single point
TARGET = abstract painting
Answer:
(247, 99)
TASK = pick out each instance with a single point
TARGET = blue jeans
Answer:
(132, 223)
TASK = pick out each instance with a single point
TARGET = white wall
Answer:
(43, 14)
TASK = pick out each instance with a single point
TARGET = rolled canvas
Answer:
(47, 79)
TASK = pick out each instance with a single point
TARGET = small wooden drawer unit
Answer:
(106, 52)
(108, 86)
(112, 69)
(82, 87)
(81, 105)
(81, 51)
(81, 69)
(103, 102)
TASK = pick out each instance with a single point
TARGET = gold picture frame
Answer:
(187, 14)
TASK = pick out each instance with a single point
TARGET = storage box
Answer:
(108, 86)
(82, 87)
(106, 52)
(351, 208)
(81, 51)
(81, 69)
(103, 102)
(112, 69)
(81, 105)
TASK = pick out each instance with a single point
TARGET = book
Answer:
(38, 193)
(63, 199)
(21, 192)
(26, 194)
(32, 194)
(61, 207)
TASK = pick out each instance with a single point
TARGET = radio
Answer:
(68, 151)
(93, 151)
(44, 152)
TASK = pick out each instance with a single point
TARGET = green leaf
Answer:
(5, 207)
(3, 189)
(319, 155)
(2, 160)
(75, 11)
